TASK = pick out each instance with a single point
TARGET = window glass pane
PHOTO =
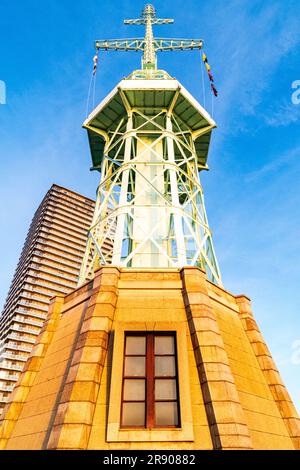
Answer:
(165, 366)
(133, 414)
(134, 389)
(135, 345)
(166, 414)
(165, 389)
(164, 345)
(135, 366)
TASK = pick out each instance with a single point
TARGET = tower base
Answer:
(230, 394)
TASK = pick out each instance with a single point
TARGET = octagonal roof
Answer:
(149, 96)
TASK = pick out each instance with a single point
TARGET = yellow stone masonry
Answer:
(231, 394)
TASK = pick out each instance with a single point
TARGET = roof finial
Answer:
(149, 45)
(148, 18)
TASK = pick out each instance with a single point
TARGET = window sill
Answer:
(117, 434)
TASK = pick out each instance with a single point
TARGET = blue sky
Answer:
(252, 189)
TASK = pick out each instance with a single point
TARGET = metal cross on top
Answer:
(149, 45)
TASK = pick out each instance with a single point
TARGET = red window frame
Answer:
(149, 422)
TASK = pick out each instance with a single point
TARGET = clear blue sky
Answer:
(252, 190)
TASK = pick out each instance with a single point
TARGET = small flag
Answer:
(95, 60)
(210, 76)
(214, 90)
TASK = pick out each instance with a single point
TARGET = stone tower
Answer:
(150, 351)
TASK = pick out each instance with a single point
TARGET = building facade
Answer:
(150, 359)
(48, 266)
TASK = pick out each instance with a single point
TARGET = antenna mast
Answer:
(149, 45)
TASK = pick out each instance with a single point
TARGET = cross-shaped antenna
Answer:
(149, 45)
(149, 18)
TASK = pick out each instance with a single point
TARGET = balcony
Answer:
(15, 346)
(51, 272)
(25, 329)
(60, 247)
(8, 366)
(33, 305)
(26, 339)
(15, 357)
(41, 282)
(6, 376)
(56, 255)
(27, 321)
(56, 265)
(3, 399)
(6, 388)
(48, 250)
(44, 298)
(38, 292)
(31, 313)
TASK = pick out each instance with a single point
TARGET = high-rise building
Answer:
(49, 265)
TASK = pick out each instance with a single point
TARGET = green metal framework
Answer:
(149, 140)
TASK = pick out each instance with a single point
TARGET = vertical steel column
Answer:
(122, 209)
(96, 216)
(180, 244)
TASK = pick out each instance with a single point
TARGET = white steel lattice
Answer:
(150, 206)
(149, 138)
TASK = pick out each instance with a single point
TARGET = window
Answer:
(150, 381)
